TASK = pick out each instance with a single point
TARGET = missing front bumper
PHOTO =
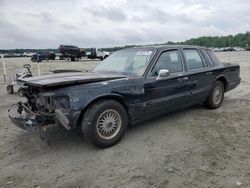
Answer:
(28, 120)
(23, 120)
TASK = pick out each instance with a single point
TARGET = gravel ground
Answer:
(194, 147)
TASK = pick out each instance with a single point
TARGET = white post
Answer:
(4, 69)
(38, 69)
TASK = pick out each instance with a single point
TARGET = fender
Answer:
(113, 96)
(223, 79)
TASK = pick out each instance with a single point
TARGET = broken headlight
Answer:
(61, 102)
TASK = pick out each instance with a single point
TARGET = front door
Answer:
(168, 93)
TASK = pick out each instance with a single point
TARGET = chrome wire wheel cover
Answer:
(217, 95)
(108, 124)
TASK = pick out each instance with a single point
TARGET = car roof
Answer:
(170, 46)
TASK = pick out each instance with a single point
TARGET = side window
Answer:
(169, 60)
(193, 59)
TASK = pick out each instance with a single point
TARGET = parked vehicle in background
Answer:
(131, 86)
(28, 54)
(96, 54)
(218, 49)
(72, 52)
(239, 49)
(11, 55)
(38, 57)
(230, 49)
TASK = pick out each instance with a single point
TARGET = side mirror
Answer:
(163, 73)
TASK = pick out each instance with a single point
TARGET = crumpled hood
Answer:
(72, 78)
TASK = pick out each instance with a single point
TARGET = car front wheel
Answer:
(216, 96)
(105, 123)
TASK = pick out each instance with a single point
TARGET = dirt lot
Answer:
(195, 147)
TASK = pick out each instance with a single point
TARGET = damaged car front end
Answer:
(56, 100)
(41, 111)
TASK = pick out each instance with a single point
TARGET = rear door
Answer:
(169, 93)
(199, 73)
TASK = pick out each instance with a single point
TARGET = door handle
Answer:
(209, 73)
(183, 78)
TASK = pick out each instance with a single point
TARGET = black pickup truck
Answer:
(72, 52)
(131, 86)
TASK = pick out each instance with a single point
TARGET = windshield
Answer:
(126, 62)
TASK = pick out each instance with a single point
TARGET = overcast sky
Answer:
(106, 23)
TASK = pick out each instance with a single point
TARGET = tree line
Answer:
(239, 40)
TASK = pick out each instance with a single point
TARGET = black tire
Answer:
(94, 114)
(211, 102)
(10, 89)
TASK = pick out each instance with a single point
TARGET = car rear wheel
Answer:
(105, 123)
(216, 96)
